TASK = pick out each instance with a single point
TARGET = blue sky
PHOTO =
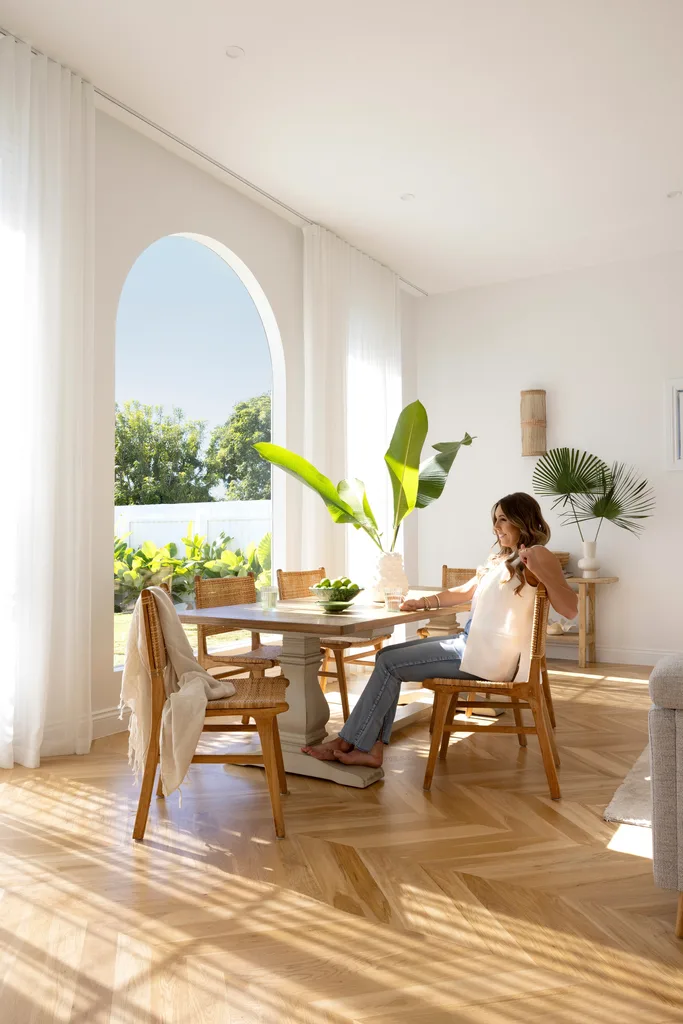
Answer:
(188, 333)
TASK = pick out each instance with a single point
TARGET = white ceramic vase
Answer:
(589, 565)
(389, 572)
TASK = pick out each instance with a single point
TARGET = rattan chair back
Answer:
(293, 585)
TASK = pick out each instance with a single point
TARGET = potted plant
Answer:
(415, 484)
(586, 489)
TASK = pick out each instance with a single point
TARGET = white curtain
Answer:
(352, 360)
(46, 412)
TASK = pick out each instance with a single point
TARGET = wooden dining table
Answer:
(302, 624)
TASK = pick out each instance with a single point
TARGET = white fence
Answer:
(245, 521)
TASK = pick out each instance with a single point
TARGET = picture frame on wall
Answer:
(674, 393)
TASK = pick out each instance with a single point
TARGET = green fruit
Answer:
(337, 584)
(324, 583)
(354, 587)
(346, 581)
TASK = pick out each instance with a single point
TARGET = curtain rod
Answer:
(214, 163)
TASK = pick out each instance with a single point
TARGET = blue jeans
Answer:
(412, 662)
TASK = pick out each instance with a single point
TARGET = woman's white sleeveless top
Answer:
(499, 642)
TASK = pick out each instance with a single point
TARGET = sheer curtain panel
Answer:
(352, 368)
(46, 327)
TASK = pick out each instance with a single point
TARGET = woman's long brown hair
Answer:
(524, 512)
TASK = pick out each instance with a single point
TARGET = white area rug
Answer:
(632, 802)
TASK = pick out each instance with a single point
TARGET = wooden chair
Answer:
(523, 696)
(263, 702)
(451, 577)
(217, 594)
(448, 625)
(295, 585)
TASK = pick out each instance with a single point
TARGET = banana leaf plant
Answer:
(586, 488)
(415, 484)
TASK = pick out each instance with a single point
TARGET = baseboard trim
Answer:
(108, 721)
(616, 655)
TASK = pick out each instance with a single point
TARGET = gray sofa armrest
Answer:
(666, 682)
(666, 756)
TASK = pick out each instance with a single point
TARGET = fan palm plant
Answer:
(622, 498)
(586, 488)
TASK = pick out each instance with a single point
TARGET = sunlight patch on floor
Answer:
(633, 839)
(574, 675)
(631, 679)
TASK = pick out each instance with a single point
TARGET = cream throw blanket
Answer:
(188, 688)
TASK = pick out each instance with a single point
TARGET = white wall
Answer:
(602, 342)
(143, 193)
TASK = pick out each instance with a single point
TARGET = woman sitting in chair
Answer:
(494, 646)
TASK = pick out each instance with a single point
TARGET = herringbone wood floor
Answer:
(482, 902)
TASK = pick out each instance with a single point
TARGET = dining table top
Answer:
(305, 616)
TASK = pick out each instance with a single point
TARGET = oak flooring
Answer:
(483, 902)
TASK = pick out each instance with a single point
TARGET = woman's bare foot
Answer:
(327, 751)
(372, 758)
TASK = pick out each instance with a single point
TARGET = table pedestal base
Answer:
(305, 722)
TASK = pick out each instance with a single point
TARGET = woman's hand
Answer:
(530, 557)
(411, 605)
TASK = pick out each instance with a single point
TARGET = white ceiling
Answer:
(536, 135)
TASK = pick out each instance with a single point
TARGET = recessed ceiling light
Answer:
(676, 194)
(407, 197)
(234, 52)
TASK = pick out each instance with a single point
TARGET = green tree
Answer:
(159, 457)
(231, 456)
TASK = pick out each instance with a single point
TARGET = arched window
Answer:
(197, 349)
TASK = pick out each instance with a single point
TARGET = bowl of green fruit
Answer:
(335, 595)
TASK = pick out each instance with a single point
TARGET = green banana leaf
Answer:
(353, 493)
(307, 474)
(403, 461)
(434, 472)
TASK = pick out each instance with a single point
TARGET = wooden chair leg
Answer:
(551, 734)
(278, 757)
(548, 695)
(267, 736)
(343, 688)
(147, 783)
(431, 720)
(446, 738)
(679, 917)
(442, 702)
(540, 722)
(471, 698)
(519, 721)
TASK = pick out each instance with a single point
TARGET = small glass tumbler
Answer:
(393, 598)
(268, 598)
